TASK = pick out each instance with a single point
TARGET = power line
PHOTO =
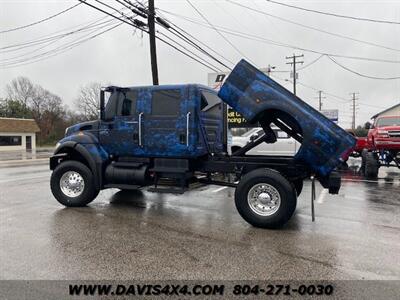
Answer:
(179, 31)
(58, 49)
(334, 14)
(40, 21)
(257, 38)
(113, 8)
(70, 46)
(199, 59)
(311, 63)
(341, 99)
(313, 28)
(183, 37)
(226, 39)
(360, 74)
(47, 38)
(140, 28)
(55, 40)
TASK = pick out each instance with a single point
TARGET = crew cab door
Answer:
(166, 123)
(119, 130)
(212, 120)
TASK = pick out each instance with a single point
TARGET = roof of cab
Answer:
(162, 87)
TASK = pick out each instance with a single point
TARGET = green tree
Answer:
(14, 109)
(361, 131)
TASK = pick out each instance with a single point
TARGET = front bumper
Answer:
(387, 144)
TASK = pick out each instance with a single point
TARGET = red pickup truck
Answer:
(383, 145)
(361, 144)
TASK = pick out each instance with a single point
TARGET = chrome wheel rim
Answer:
(72, 184)
(264, 199)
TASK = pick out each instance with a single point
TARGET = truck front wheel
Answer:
(264, 198)
(72, 184)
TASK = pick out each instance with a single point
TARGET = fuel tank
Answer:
(260, 99)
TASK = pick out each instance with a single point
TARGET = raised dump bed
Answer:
(260, 99)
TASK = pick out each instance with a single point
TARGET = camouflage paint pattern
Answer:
(162, 136)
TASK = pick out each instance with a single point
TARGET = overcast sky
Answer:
(121, 56)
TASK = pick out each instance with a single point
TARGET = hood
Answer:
(89, 125)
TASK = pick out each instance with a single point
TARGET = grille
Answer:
(394, 133)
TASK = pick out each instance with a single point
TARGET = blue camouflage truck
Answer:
(164, 138)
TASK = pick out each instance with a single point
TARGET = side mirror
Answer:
(102, 103)
(367, 125)
(253, 137)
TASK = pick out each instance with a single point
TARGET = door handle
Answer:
(187, 128)
(140, 129)
(130, 122)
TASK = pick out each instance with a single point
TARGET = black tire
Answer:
(371, 165)
(89, 192)
(280, 184)
(364, 153)
(298, 186)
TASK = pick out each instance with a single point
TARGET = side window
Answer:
(211, 104)
(166, 103)
(127, 104)
(111, 107)
(209, 100)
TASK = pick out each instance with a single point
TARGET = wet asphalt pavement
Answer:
(198, 235)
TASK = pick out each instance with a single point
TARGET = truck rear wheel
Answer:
(371, 165)
(264, 198)
(72, 184)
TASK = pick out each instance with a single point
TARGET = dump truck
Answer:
(170, 138)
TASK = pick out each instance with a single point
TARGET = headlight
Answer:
(383, 133)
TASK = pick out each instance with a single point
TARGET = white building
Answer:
(18, 134)
(391, 111)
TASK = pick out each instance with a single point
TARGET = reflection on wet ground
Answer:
(198, 235)
(25, 155)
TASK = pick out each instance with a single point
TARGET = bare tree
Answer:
(87, 101)
(21, 89)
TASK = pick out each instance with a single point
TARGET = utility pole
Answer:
(353, 121)
(152, 36)
(293, 63)
(320, 100)
(269, 70)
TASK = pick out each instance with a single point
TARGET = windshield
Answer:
(392, 121)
